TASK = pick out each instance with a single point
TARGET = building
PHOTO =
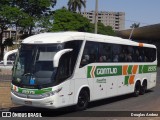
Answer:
(114, 19)
(8, 34)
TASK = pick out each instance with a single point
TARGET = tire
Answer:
(143, 89)
(137, 89)
(83, 100)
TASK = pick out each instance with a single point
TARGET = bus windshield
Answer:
(34, 65)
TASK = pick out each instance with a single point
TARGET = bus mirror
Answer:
(7, 54)
(58, 56)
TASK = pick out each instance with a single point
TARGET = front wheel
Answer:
(83, 100)
(137, 89)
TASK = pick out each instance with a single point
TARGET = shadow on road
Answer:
(69, 111)
(113, 99)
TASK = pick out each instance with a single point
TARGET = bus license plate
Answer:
(28, 102)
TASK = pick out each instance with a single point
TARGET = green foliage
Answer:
(22, 14)
(105, 30)
(35, 9)
(45, 23)
(4, 2)
(65, 20)
(11, 15)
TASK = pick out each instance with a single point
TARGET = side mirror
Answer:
(58, 56)
(7, 54)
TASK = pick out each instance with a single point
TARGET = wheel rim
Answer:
(144, 88)
(82, 100)
(137, 89)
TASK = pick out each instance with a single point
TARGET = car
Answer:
(9, 63)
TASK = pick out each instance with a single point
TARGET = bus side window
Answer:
(85, 57)
(105, 52)
(90, 53)
(116, 54)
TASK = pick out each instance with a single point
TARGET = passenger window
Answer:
(108, 52)
(105, 52)
(116, 53)
(90, 53)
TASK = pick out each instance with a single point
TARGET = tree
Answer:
(105, 30)
(135, 25)
(36, 9)
(22, 14)
(9, 16)
(45, 23)
(65, 20)
(73, 5)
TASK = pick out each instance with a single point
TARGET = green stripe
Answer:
(140, 68)
(104, 71)
(89, 71)
(147, 68)
(130, 69)
(126, 80)
(34, 91)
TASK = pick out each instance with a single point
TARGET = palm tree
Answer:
(135, 25)
(73, 5)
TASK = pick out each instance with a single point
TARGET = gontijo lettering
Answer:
(101, 71)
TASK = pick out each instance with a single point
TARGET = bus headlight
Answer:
(48, 94)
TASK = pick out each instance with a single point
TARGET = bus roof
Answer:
(60, 37)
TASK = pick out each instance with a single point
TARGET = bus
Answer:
(54, 70)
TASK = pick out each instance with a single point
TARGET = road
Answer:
(121, 106)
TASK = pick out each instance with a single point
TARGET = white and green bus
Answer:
(54, 70)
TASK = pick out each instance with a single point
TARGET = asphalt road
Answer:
(122, 106)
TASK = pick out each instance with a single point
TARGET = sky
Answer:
(145, 12)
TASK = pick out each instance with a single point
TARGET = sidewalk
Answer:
(5, 97)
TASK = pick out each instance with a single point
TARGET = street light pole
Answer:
(85, 8)
(96, 16)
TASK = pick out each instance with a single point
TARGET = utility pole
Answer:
(85, 8)
(96, 16)
(131, 33)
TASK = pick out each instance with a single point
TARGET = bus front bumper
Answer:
(48, 102)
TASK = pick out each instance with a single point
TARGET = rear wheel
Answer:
(83, 100)
(143, 88)
(137, 89)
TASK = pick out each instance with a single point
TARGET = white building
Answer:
(114, 19)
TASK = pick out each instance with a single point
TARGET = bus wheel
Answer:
(137, 89)
(143, 88)
(83, 100)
